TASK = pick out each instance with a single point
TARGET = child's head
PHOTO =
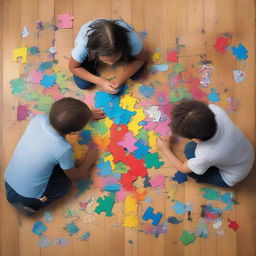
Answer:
(69, 115)
(108, 42)
(193, 120)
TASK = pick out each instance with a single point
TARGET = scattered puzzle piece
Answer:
(213, 96)
(20, 52)
(105, 205)
(239, 75)
(149, 215)
(65, 20)
(179, 207)
(174, 220)
(72, 228)
(172, 56)
(233, 224)
(39, 228)
(240, 52)
(180, 177)
(187, 237)
(210, 193)
(158, 181)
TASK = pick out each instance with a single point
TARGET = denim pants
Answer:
(211, 176)
(91, 66)
(58, 186)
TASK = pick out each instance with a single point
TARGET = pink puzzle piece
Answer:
(128, 142)
(65, 20)
(158, 181)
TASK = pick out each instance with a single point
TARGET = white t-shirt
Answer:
(228, 149)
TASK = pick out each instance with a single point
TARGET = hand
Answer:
(98, 114)
(116, 83)
(108, 86)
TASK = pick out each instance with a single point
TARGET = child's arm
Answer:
(178, 164)
(130, 69)
(77, 70)
(82, 170)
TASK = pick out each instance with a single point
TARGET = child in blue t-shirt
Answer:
(106, 41)
(42, 165)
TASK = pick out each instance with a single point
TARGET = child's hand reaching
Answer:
(108, 86)
(98, 114)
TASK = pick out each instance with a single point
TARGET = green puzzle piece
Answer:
(121, 168)
(178, 68)
(187, 237)
(105, 205)
(210, 193)
(153, 160)
(100, 127)
(18, 85)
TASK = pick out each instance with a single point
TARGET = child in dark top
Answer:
(106, 41)
(219, 153)
(42, 165)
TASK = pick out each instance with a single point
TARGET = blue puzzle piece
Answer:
(146, 182)
(190, 149)
(213, 96)
(179, 208)
(147, 91)
(82, 186)
(86, 137)
(48, 81)
(105, 168)
(39, 228)
(240, 52)
(142, 149)
(111, 187)
(180, 177)
(150, 215)
(45, 65)
(110, 104)
(33, 50)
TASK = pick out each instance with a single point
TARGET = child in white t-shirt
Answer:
(219, 153)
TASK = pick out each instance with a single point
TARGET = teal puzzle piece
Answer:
(105, 205)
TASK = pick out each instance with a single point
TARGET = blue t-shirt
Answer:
(39, 150)
(80, 51)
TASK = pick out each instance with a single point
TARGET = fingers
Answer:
(98, 114)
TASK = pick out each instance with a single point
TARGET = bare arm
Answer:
(82, 170)
(131, 69)
(178, 164)
(77, 70)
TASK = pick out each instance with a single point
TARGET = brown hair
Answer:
(108, 38)
(193, 120)
(69, 115)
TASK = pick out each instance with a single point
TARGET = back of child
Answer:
(35, 174)
(219, 154)
(228, 150)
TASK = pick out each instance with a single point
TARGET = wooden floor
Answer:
(197, 24)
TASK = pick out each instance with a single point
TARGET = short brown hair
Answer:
(69, 115)
(193, 120)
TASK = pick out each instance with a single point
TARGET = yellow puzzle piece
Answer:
(20, 52)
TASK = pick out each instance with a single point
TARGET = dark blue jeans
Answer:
(58, 186)
(91, 66)
(211, 176)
